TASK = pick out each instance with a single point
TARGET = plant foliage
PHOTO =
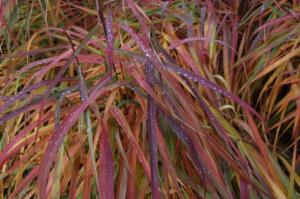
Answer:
(149, 99)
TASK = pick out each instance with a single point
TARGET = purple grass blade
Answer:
(234, 39)
(22, 94)
(110, 42)
(24, 108)
(108, 30)
(5, 98)
(33, 52)
(151, 123)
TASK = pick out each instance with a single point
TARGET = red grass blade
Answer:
(106, 166)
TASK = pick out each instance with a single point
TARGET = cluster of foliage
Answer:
(138, 99)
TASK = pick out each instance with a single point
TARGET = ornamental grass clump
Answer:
(149, 99)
